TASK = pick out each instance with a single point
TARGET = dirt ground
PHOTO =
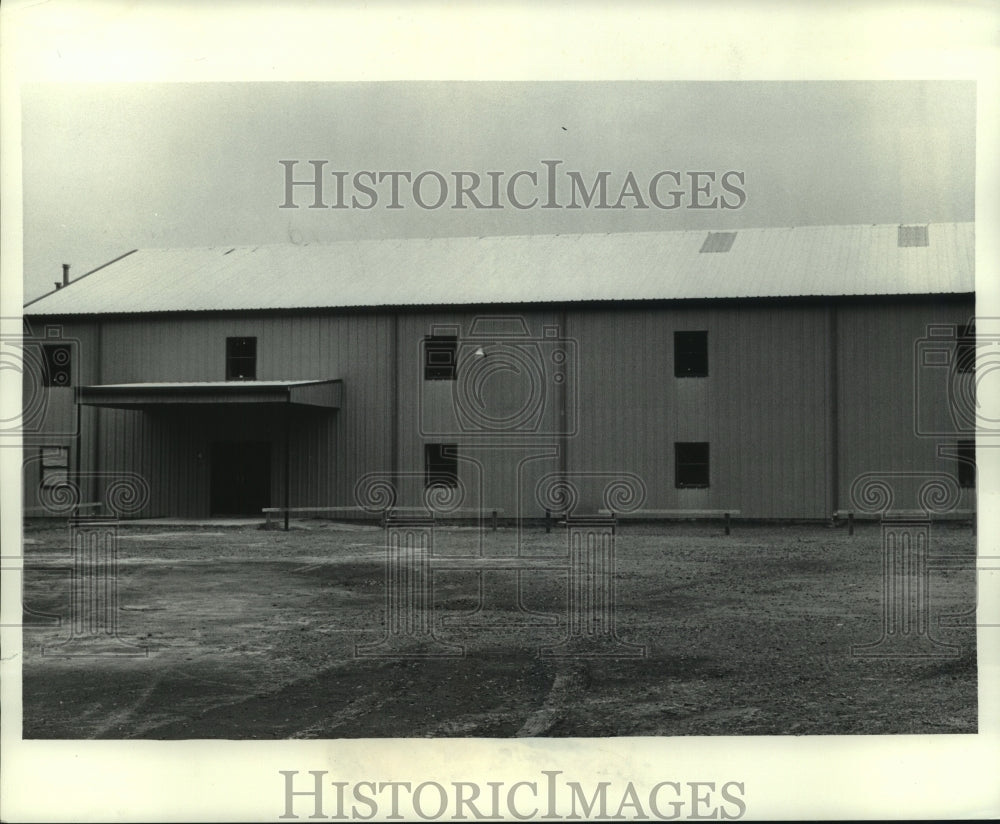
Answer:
(251, 634)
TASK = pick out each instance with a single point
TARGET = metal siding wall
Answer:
(496, 473)
(623, 404)
(132, 441)
(762, 409)
(329, 451)
(877, 386)
(781, 389)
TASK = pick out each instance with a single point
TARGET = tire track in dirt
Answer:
(119, 719)
(363, 706)
(568, 686)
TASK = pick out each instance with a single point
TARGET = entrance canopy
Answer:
(323, 394)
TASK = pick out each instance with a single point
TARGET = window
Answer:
(241, 359)
(691, 354)
(55, 465)
(965, 349)
(691, 465)
(441, 464)
(58, 364)
(439, 357)
(967, 464)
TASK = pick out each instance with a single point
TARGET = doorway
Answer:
(241, 477)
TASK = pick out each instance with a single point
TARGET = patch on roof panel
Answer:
(912, 236)
(718, 242)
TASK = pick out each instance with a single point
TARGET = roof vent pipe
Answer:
(65, 280)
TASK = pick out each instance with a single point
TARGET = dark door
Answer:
(241, 477)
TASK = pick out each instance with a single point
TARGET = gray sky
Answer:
(113, 167)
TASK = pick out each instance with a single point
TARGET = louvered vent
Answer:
(912, 236)
(718, 242)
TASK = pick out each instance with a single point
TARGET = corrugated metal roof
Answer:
(772, 262)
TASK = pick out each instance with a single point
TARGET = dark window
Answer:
(439, 357)
(441, 464)
(965, 348)
(691, 354)
(691, 465)
(718, 242)
(912, 236)
(55, 465)
(241, 359)
(967, 464)
(58, 364)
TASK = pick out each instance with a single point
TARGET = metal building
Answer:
(759, 370)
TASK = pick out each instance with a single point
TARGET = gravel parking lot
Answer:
(244, 633)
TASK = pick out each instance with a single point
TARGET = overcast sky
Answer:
(113, 167)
